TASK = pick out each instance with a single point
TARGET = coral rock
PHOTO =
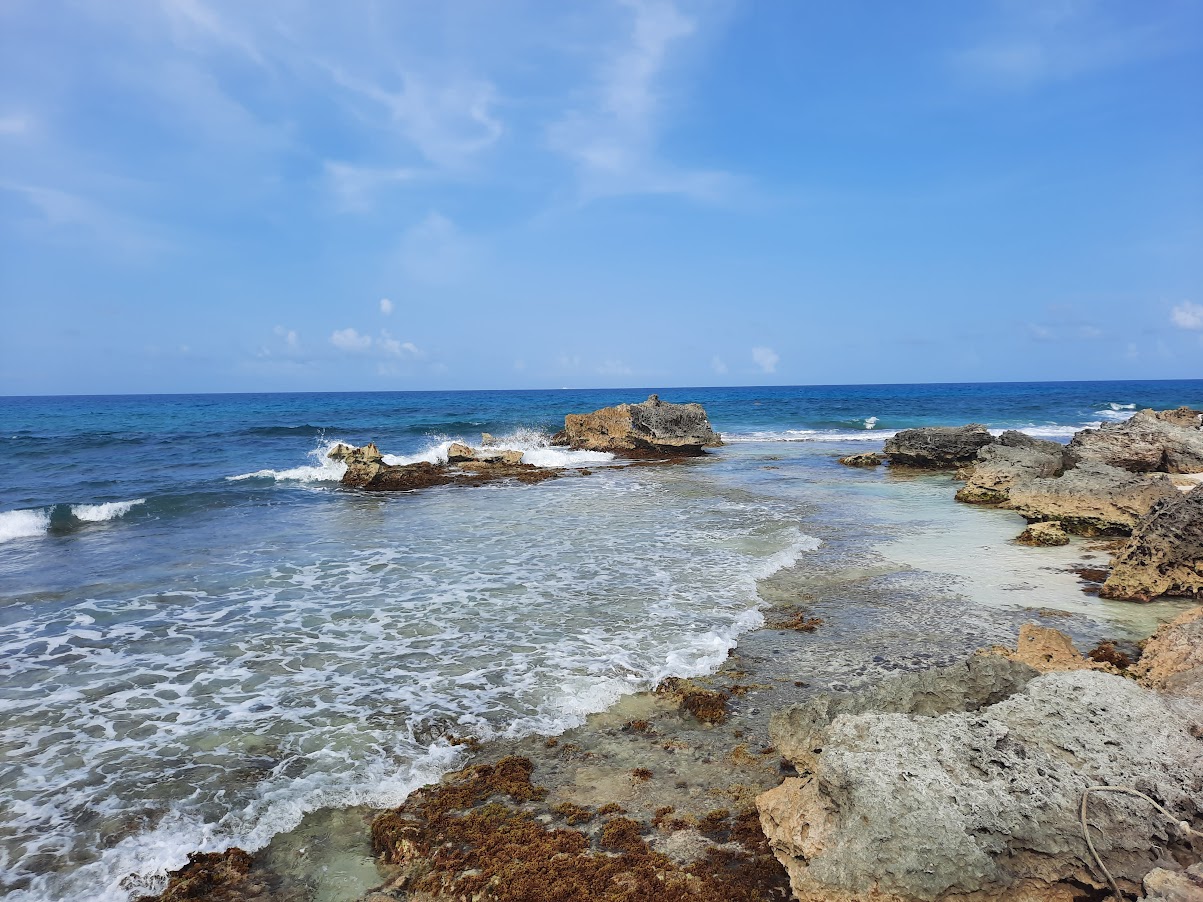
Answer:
(1093, 499)
(1168, 441)
(1164, 555)
(1176, 648)
(653, 427)
(999, 465)
(1043, 534)
(868, 459)
(1048, 651)
(937, 447)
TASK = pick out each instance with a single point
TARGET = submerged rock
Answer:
(1043, 535)
(1000, 465)
(653, 427)
(867, 459)
(965, 783)
(1092, 500)
(366, 469)
(937, 447)
(1150, 441)
(1164, 555)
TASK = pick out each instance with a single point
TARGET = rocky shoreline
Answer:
(959, 777)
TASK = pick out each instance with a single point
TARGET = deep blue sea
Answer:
(203, 636)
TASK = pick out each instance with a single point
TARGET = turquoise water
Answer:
(203, 636)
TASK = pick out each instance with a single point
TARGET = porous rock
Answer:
(937, 447)
(1163, 885)
(1048, 651)
(457, 453)
(1175, 649)
(973, 794)
(867, 459)
(1092, 500)
(366, 469)
(999, 465)
(1150, 441)
(653, 427)
(1164, 555)
(1043, 535)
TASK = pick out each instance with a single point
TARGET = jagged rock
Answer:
(652, 428)
(1043, 535)
(1091, 500)
(999, 465)
(1176, 648)
(937, 447)
(458, 452)
(867, 459)
(498, 455)
(210, 875)
(1048, 651)
(1163, 885)
(366, 469)
(964, 783)
(339, 451)
(1150, 441)
(1164, 555)
(486, 439)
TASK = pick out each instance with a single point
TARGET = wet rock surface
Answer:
(1091, 500)
(1000, 465)
(868, 459)
(973, 793)
(366, 469)
(653, 427)
(1164, 556)
(1151, 441)
(1047, 535)
(937, 447)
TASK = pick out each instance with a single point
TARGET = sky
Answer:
(305, 196)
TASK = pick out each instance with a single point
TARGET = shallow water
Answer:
(203, 637)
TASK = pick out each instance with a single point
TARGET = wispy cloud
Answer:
(434, 250)
(1187, 315)
(350, 340)
(357, 188)
(765, 358)
(386, 307)
(718, 365)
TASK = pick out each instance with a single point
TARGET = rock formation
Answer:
(867, 459)
(366, 469)
(1164, 555)
(1092, 500)
(652, 428)
(1150, 441)
(1043, 535)
(964, 783)
(1173, 653)
(1048, 651)
(999, 465)
(937, 447)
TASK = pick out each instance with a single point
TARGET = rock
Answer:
(1092, 500)
(366, 469)
(499, 455)
(208, 875)
(652, 428)
(339, 451)
(1162, 885)
(1164, 555)
(1013, 457)
(1176, 648)
(867, 459)
(937, 447)
(487, 440)
(973, 793)
(1043, 535)
(458, 452)
(1150, 441)
(1048, 651)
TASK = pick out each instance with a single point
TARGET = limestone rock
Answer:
(366, 469)
(973, 793)
(487, 440)
(1164, 555)
(1168, 441)
(1162, 885)
(1013, 457)
(653, 427)
(1043, 535)
(937, 447)
(867, 459)
(1176, 648)
(1093, 499)
(458, 452)
(339, 451)
(1048, 651)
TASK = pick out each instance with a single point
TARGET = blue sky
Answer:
(227, 196)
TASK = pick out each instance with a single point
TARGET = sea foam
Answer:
(99, 513)
(23, 524)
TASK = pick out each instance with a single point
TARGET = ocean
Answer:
(203, 636)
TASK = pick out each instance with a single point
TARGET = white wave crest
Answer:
(870, 422)
(535, 446)
(110, 510)
(809, 435)
(1116, 412)
(23, 524)
(323, 469)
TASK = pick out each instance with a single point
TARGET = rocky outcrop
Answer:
(868, 459)
(1048, 651)
(1162, 885)
(1150, 441)
(937, 447)
(1164, 555)
(653, 428)
(366, 469)
(1173, 652)
(964, 783)
(1043, 535)
(1092, 500)
(1000, 465)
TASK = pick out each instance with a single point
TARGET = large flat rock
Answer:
(1093, 500)
(1150, 441)
(653, 427)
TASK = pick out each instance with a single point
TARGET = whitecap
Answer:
(870, 422)
(23, 524)
(808, 435)
(110, 510)
(323, 469)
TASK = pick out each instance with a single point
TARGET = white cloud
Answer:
(290, 337)
(358, 187)
(766, 359)
(1187, 315)
(395, 348)
(386, 306)
(718, 365)
(350, 340)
